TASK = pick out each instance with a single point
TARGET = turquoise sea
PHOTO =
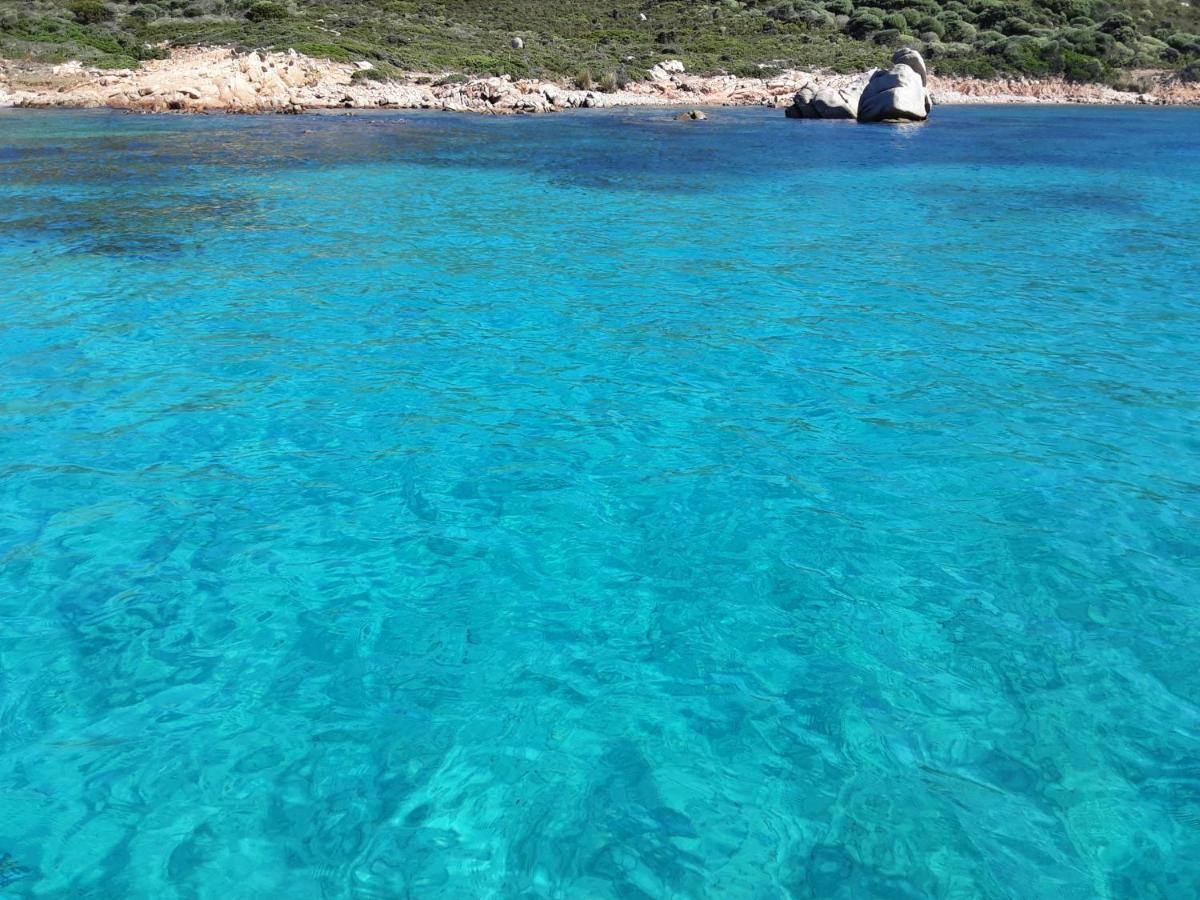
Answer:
(600, 506)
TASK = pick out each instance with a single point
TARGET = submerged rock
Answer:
(692, 115)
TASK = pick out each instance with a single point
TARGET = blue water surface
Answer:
(600, 506)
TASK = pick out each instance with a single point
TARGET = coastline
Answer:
(222, 80)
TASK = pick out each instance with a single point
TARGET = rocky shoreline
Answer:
(222, 80)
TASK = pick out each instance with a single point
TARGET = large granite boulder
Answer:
(666, 70)
(823, 103)
(833, 104)
(801, 107)
(907, 56)
(899, 94)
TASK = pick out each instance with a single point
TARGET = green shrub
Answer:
(896, 21)
(744, 70)
(782, 12)
(972, 64)
(266, 11)
(816, 18)
(91, 12)
(1120, 55)
(932, 25)
(959, 31)
(949, 50)
(627, 75)
(1184, 42)
(1015, 26)
(145, 13)
(1077, 67)
(839, 7)
(1066, 10)
(991, 13)
(862, 23)
(485, 64)
(1125, 34)
(1086, 41)
(378, 72)
(1115, 23)
(1029, 55)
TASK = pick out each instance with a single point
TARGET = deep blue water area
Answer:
(600, 506)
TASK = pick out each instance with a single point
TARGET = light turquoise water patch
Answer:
(600, 506)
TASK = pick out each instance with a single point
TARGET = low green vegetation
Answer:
(607, 42)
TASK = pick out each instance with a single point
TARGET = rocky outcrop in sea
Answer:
(900, 93)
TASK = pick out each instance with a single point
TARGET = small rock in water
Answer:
(692, 115)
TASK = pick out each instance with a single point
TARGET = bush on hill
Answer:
(90, 12)
(266, 11)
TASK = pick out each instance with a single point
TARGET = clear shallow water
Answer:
(599, 506)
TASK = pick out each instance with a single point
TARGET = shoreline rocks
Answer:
(222, 80)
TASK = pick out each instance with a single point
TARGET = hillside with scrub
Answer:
(1081, 40)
